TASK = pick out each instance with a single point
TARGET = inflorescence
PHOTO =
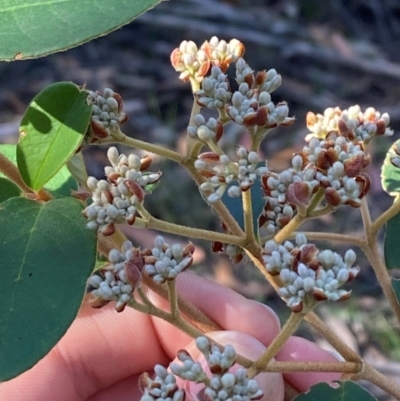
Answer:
(308, 274)
(222, 383)
(115, 199)
(117, 281)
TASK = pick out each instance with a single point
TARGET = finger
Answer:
(299, 349)
(227, 308)
(270, 383)
(101, 347)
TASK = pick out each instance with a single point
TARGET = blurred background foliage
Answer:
(330, 53)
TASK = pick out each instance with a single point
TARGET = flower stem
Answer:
(347, 353)
(299, 366)
(387, 215)
(321, 236)
(173, 298)
(191, 232)
(286, 231)
(372, 252)
(287, 330)
(149, 147)
(380, 380)
(248, 215)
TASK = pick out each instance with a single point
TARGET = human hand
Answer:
(103, 354)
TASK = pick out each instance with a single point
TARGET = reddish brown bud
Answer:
(107, 193)
(217, 246)
(297, 308)
(219, 132)
(298, 193)
(332, 197)
(119, 100)
(189, 249)
(81, 195)
(132, 273)
(113, 177)
(262, 116)
(145, 163)
(131, 220)
(150, 260)
(249, 79)
(109, 229)
(135, 189)
(209, 157)
(308, 253)
(319, 295)
(345, 296)
(123, 118)
(261, 77)
(354, 165)
(98, 302)
(365, 184)
(250, 120)
(98, 130)
(207, 173)
(380, 127)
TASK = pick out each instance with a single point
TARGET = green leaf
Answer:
(8, 189)
(391, 170)
(396, 288)
(343, 391)
(46, 255)
(235, 206)
(60, 185)
(391, 243)
(51, 131)
(34, 28)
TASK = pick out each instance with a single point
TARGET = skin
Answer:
(103, 353)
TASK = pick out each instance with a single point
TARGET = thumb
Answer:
(271, 384)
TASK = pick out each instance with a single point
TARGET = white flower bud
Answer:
(234, 191)
(350, 257)
(228, 380)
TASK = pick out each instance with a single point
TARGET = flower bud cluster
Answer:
(257, 110)
(115, 199)
(284, 192)
(117, 281)
(194, 63)
(220, 171)
(165, 262)
(205, 131)
(307, 273)
(352, 123)
(339, 165)
(222, 385)
(107, 114)
(264, 81)
(162, 388)
(215, 92)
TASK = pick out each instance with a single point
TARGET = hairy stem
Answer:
(191, 232)
(248, 215)
(287, 330)
(298, 366)
(149, 147)
(372, 252)
(347, 353)
(321, 236)
(286, 231)
(173, 298)
(380, 380)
